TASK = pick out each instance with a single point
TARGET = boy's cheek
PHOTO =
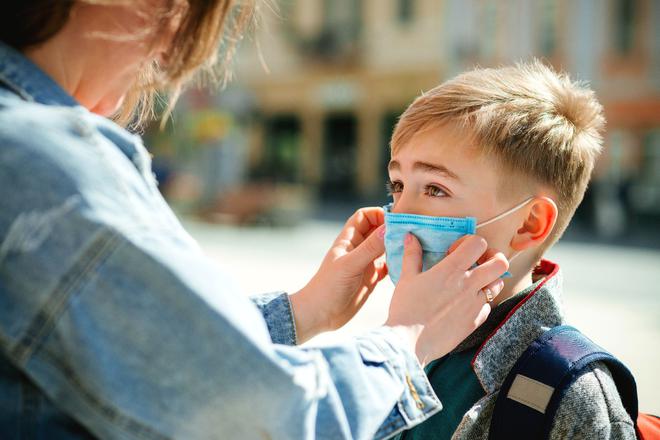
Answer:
(496, 239)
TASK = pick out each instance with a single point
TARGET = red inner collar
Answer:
(546, 269)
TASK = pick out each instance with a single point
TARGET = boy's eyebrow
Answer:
(428, 167)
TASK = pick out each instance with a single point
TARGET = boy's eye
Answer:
(435, 191)
(394, 187)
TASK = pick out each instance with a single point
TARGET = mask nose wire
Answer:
(504, 214)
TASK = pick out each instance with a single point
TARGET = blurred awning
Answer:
(633, 113)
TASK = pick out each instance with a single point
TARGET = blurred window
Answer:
(645, 190)
(548, 27)
(280, 160)
(619, 143)
(339, 156)
(488, 29)
(342, 25)
(651, 162)
(624, 26)
(405, 11)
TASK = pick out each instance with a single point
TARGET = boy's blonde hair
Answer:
(536, 123)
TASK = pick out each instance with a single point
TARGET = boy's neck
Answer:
(513, 286)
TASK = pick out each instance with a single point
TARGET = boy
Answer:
(513, 147)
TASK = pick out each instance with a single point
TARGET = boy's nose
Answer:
(404, 205)
(409, 203)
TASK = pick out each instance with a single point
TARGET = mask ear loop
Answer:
(504, 214)
(501, 216)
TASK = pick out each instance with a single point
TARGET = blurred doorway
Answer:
(339, 157)
(281, 155)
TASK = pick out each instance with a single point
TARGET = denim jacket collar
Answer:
(26, 79)
(539, 311)
(22, 77)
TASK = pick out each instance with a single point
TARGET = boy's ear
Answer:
(541, 218)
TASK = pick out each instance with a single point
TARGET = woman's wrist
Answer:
(306, 315)
(410, 336)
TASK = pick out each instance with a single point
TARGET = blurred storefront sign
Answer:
(338, 95)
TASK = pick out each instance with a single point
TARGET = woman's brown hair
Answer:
(205, 41)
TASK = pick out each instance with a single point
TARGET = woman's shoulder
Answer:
(64, 140)
(53, 154)
(25, 124)
(50, 153)
(42, 147)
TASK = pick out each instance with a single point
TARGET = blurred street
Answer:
(611, 293)
(302, 135)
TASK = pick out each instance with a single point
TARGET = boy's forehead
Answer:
(425, 166)
(452, 151)
(443, 144)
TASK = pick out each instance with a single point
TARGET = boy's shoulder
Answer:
(592, 408)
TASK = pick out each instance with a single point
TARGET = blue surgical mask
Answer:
(435, 234)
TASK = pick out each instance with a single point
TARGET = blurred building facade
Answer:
(341, 71)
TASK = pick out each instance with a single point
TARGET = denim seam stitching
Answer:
(402, 371)
(16, 88)
(293, 320)
(47, 315)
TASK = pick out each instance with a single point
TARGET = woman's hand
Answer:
(435, 310)
(348, 274)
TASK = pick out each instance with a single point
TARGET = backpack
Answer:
(531, 393)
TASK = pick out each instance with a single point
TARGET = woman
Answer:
(104, 331)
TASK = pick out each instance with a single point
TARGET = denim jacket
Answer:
(114, 324)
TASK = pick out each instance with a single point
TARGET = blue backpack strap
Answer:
(532, 391)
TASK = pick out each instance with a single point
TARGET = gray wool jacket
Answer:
(591, 408)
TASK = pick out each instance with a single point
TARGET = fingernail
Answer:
(497, 288)
(408, 238)
(381, 231)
